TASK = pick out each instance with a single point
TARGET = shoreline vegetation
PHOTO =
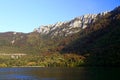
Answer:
(46, 60)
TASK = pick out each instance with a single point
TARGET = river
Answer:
(81, 73)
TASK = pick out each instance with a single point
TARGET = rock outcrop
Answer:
(69, 27)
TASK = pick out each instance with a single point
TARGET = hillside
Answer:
(100, 42)
(92, 39)
(47, 38)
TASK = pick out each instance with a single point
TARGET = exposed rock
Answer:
(13, 41)
(70, 27)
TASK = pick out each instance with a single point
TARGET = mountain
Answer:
(100, 42)
(69, 27)
(93, 37)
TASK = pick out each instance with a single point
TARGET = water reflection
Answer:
(83, 73)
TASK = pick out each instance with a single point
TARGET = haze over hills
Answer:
(96, 37)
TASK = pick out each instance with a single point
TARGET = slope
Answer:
(99, 42)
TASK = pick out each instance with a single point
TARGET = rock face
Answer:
(69, 27)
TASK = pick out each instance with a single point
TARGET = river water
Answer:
(81, 73)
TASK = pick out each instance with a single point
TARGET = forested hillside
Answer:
(100, 42)
(97, 44)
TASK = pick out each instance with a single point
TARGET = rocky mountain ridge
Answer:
(69, 27)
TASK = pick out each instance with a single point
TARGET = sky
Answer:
(25, 15)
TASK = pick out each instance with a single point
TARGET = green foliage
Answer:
(3, 65)
(48, 60)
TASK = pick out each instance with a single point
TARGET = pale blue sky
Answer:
(25, 15)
